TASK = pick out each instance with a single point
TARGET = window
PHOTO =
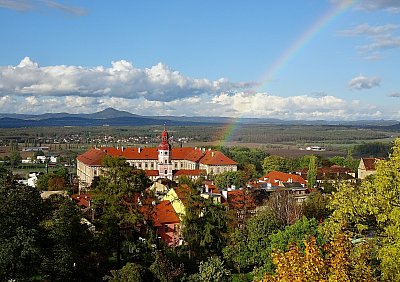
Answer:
(166, 228)
(165, 171)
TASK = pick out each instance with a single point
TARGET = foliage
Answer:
(295, 233)
(336, 261)
(316, 206)
(246, 156)
(277, 163)
(373, 209)
(249, 246)
(20, 215)
(115, 192)
(54, 181)
(373, 149)
(164, 270)
(68, 240)
(15, 158)
(117, 200)
(131, 272)
(229, 178)
(204, 227)
(312, 172)
(212, 270)
(284, 206)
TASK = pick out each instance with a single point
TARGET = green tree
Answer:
(212, 270)
(117, 199)
(316, 206)
(373, 208)
(68, 241)
(15, 158)
(272, 163)
(204, 227)
(312, 172)
(229, 178)
(164, 269)
(131, 272)
(249, 247)
(20, 216)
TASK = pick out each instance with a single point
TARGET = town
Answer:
(160, 211)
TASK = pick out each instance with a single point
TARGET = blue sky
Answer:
(305, 59)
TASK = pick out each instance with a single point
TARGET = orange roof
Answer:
(133, 153)
(82, 200)
(216, 158)
(164, 213)
(276, 176)
(93, 157)
(181, 153)
(208, 157)
(151, 172)
(369, 163)
(191, 172)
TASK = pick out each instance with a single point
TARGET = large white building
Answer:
(161, 162)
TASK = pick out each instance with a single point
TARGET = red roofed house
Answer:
(367, 167)
(161, 162)
(167, 223)
(277, 178)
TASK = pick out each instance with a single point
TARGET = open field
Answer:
(285, 140)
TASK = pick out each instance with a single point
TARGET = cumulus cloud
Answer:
(395, 94)
(378, 38)
(363, 82)
(122, 79)
(241, 104)
(30, 5)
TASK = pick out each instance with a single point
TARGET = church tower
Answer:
(164, 157)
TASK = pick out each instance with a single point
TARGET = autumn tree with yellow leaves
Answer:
(338, 260)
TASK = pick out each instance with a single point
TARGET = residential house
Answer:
(367, 167)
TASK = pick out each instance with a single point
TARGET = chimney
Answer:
(122, 148)
(212, 154)
(139, 150)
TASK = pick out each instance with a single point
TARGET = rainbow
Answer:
(287, 56)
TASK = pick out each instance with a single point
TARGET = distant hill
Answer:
(113, 117)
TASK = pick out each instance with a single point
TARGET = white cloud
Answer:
(362, 82)
(378, 39)
(366, 29)
(230, 105)
(122, 79)
(30, 5)
(391, 6)
(21, 5)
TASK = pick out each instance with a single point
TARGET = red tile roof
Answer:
(164, 213)
(93, 157)
(83, 200)
(216, 158)
(369, 163)
(277, 176)
(190, 172)
(151, 172)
